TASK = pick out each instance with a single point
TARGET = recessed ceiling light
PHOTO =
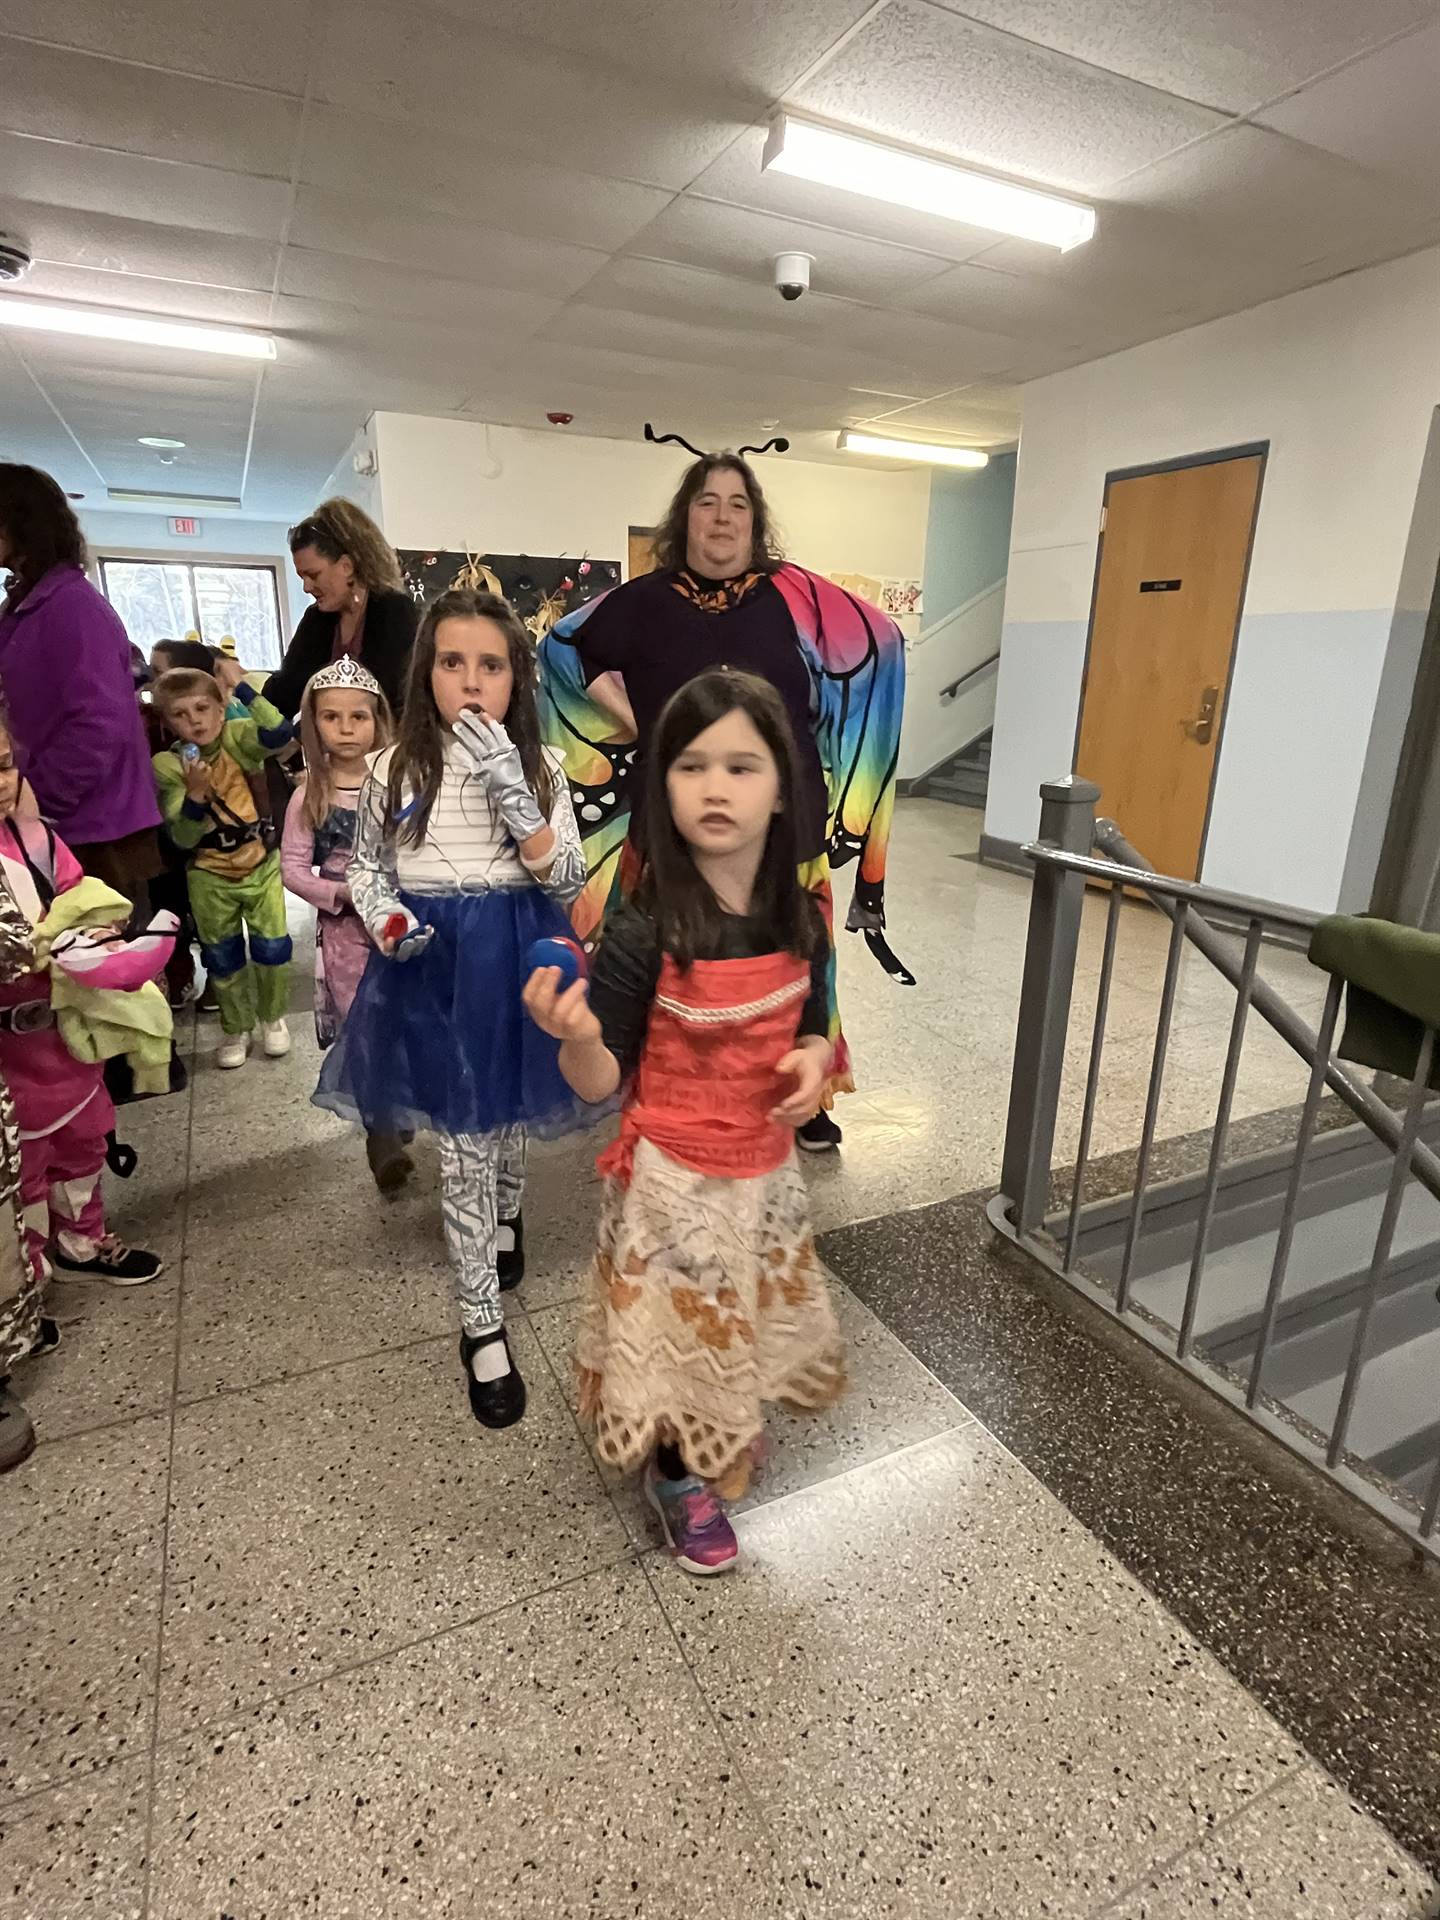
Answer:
(929, 186)
(161, 442)
(928, 451)
(50, 316)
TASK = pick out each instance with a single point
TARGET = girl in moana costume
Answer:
(708, 1003)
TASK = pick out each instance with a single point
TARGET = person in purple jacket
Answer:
(66, 680)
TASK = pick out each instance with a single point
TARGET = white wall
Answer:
(458, 484)
(1342, 381)
(147, 536)
(344, 481)
(936, 727)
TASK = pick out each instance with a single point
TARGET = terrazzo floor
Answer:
(286, 1634)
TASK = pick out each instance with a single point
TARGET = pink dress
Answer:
(314, 862)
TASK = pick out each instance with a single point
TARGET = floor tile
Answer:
(321, 1520)
(116, 1357)
(1303, 1850)
(891, 1402)
(961, 1702)
(77, 1850)
(80, 1598)
(553, 1761)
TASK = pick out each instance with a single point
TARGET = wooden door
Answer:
(641, 556)
(1168, 593)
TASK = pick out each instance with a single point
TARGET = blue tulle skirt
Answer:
(442, 1041)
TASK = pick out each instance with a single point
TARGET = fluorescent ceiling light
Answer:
(160, 440)
(145, 497)
(927, 451)
(930, 186)
(51, 316)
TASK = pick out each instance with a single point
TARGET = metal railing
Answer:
(973, 673)
(1065, 865)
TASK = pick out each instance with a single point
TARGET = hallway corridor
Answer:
(287, 1634)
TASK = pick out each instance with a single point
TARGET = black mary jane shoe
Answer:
(511, 1266)
(494, 1403)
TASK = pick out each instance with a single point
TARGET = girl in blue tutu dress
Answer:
(466, 853)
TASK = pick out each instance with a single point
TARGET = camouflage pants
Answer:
(21, 1292)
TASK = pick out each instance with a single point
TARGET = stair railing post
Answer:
(1057, 901)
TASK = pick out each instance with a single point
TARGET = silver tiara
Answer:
(347, 674)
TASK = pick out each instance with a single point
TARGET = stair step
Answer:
(957, 784)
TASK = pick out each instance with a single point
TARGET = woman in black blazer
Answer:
(349, 569)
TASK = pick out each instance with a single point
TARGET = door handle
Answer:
(1202, 728)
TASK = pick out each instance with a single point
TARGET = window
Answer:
(166, 599)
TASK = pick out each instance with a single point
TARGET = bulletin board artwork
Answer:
(541, 589)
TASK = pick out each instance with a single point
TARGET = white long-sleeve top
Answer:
(466, 848)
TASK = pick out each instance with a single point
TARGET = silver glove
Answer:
(495, 758)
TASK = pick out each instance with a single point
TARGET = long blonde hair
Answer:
(337, 528)
(319, 783)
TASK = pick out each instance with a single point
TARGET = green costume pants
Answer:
(253, 984)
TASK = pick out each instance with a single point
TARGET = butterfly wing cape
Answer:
(856, 657)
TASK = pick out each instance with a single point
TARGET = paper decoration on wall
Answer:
(901, 597)
(864, 586)
(541, 589)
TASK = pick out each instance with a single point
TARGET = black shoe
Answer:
(47, 1339)
(511, 1266)
(390, 1165)
(820, 1135)
(494, 1403)
(122, 1266)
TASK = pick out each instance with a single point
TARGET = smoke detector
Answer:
(14, 260)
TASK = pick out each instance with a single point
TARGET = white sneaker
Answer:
(233, 1050)
(275, 1036)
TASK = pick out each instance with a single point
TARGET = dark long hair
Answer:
(40, 526)
(672, 536)
(419, 757)
(671, 890)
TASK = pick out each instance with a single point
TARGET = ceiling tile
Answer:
(91, 102)
(181, 300)
(1380, 112)
(986, 415)
(934, 352)
(742, 243)
(1283, 204)
(360, 287)
(1230, 54)
(438, 243)
(752, 47)
(117, 183)
(670, 291)
(62, 236)
(429, 168)
(432, 70)
(737, 180)
(245, 40)
(940, 82)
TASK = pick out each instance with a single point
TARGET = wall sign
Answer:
(1159, 586)
(185, 529)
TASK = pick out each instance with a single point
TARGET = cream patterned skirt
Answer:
(706, 1300)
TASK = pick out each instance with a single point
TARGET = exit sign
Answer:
(185, 529)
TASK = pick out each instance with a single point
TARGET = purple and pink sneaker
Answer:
(697, 1528)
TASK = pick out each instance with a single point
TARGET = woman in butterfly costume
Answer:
(722, 596)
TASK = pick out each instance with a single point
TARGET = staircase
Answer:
(1396, 1421)
(963, 779)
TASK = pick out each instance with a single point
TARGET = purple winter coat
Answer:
(76, 727)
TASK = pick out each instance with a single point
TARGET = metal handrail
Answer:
(1064, 860)
(972, 674)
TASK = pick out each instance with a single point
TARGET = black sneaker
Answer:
(47, 1339)
(122, 1266)
(510, 1261)
(494, 1403)
(390, 1165)
(820, 1135)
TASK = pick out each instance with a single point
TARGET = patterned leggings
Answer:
(482, 1180)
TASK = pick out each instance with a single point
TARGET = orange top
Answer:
(707, 1081)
